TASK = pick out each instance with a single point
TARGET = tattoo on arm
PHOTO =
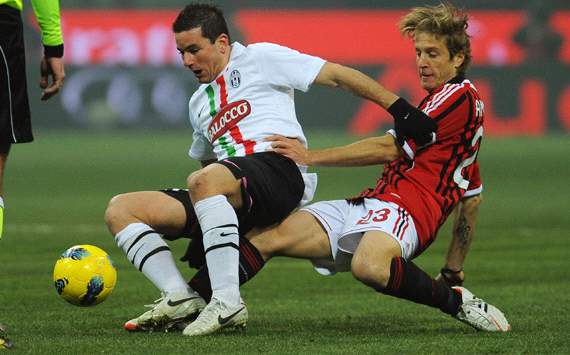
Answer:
(463, 232)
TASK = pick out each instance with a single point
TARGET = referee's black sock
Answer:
(409, 282)
(250, 262)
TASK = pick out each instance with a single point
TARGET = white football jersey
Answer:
(250, 100)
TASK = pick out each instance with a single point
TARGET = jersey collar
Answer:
(237, 50)
(458, 79)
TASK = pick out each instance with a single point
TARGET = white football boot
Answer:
(216, 316)
(479, 314)
(167, 311)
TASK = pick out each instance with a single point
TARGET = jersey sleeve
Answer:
(475, 184)
(408, 145)
(48, 16)
(283, 66)
(201, 148)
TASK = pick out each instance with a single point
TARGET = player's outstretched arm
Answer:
(360, 84)
(409, 121)
(463, 227)
(369, 151)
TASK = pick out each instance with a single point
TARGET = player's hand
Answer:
(450, 277)
(291, 148)
(418, 127)
(410, 122)
(51, 67)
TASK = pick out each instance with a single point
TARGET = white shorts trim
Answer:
(473, 192)
(345, 225)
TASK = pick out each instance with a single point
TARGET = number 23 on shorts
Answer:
(375, 216)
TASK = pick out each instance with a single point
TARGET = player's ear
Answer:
(458, 60)
(222, 43)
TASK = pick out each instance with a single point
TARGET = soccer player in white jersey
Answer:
(247, 95)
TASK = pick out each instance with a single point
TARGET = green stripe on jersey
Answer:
(227, 147)
(210, 93)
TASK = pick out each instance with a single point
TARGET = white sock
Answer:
(147, 251)
(219, 224)
(1, 202)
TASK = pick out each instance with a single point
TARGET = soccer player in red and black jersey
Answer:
(377, 234)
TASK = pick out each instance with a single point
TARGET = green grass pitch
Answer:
(57, 190)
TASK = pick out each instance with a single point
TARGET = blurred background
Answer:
(123, 71)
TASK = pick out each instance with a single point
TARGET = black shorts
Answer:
(15, 125)
(272, 186)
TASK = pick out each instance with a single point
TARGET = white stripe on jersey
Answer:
(438, 99)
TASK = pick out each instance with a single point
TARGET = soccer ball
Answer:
(84, 275)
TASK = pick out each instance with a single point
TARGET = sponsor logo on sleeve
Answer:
(227, 118)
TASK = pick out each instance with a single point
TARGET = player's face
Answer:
(435, 67)
(204, 58)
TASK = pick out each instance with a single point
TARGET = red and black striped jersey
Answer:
(430, 181)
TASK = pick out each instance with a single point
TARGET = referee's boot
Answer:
(167, 312)
(217, 316)
(479, 314)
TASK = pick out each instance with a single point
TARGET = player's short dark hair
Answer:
(208, 17)
(443, 20)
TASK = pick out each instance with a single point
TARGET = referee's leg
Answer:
(4, 149)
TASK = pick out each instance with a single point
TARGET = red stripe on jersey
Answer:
(238, 138)
(452, 93)
(431, 102)
(223, 92)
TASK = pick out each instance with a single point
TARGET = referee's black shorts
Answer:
(15, 125)
(272, 186)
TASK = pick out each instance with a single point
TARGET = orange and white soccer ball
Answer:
(84, 275)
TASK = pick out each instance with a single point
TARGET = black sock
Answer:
(201, 283)
(409, 282)
(250, 262)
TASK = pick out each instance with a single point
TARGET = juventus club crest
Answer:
(235, 78)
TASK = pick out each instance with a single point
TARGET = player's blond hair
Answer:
(443, 20)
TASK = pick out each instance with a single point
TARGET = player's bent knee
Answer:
(372, 274)
(215, 179)
(117, 213)
(192, 179)
(200, 182)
